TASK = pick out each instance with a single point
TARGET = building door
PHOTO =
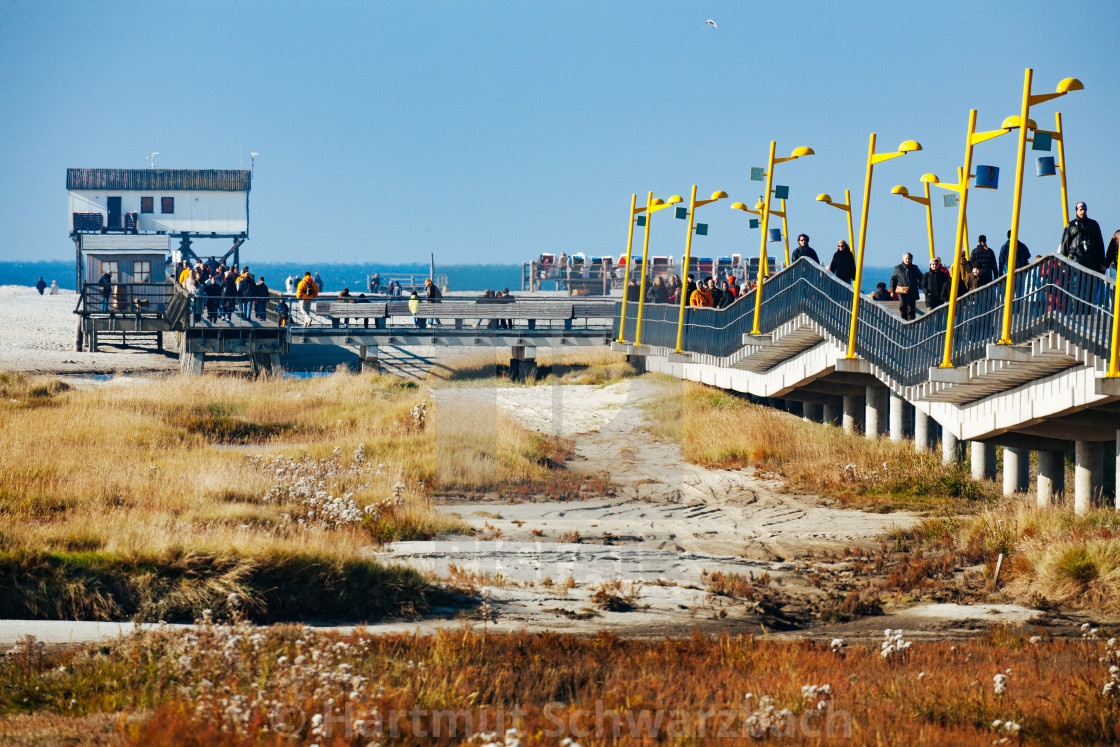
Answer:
(114, 204)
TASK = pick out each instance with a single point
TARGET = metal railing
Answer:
(1051, 294)
(124, 298)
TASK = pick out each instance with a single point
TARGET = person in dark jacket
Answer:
(1022, 254)
(106, 283)
(804, 250)
(905, 282)
(1112, 256)
(633, 292)
(1082, 241)
(229, 296)
(984, 258)
(843, 263)
(260, 298)
(41, 285)
(246, 290)
(213, 298)
(881, 293)
(433, 294)
(935, 284)
(658, 292)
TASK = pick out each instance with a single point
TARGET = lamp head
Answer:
(254, 155)
(909, 145)
(719, 195)
(802, 151)
(758, 205)
(900, 190)
(738, 206)
(930, 178)
(657, 201)
(674, 200)
(824, 197)
(1013, 122)
(1070, 84)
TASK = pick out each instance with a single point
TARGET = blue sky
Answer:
(490, 132)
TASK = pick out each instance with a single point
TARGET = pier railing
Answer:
(124, 298)
(1050, 294)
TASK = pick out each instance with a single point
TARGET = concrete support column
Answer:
(190, 364)
(983, 459)
(522, 362)
(921, 431)
(1016, 470)
(1088, 474)
(951, 449)
(833, 414)
(371, 363)
(898, 408)
(1051, 477)
(852, 407)
(1116, 484)
(875, 411)
(811, 411)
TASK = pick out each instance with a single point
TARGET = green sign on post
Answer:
(682, 213)
(781, 192)
(701, 229)
(758, 174)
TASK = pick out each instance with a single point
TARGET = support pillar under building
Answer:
(983, 458)
(833, 414)
(811, 411)
(875, 411)
(371, 363)
(951, 448)
(1016, 470)
(523, 362)
(852, 411)
(922, 439)
(1088, 474)
(898, 415)
(1051, 477)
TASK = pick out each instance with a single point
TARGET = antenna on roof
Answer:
(152, 159)
(252, 161)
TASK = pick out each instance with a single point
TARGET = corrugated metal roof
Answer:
(165, 180)
(126, 242)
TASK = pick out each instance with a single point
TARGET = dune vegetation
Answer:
(158, 498)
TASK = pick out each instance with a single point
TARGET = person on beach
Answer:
(306, 292)
(260, 298)
(905, 281)
(843, 264)
(41, 285)
(54, 287)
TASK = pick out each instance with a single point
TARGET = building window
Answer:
(113, 269)
(141, 271)
(147, 205)
(167, 204)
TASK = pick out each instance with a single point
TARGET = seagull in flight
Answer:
(712, 23)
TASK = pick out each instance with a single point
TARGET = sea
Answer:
(460, 278)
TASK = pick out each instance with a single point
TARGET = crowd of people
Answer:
(222, 291)
(1081, 242)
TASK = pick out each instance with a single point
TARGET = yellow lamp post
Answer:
(873, 158)
(756, 210)
(1057, 135)
(1064, 87)
(634, 211)
(924, 200)
(771, 162)
(652, 206)
(846, 206)
(693, 203)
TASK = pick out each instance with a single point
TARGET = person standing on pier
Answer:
(106, 283)
(431, 290)
(306, 292)
(260, 300)
(290, 286)
(843, 264)
(984, 258)
(804, 250)
(905, 281)
(1082, 241)
(935, 284)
